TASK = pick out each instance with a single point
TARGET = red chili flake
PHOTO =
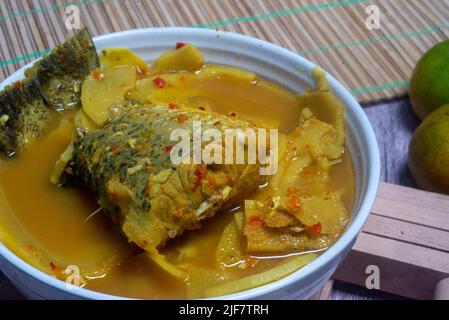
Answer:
(178, 213)
(114, 150)
(212, 183)
(113, 195)
(180, 45)
(292, 190)
(251, 262)
(143, 244)
(200, 172)
(168, 148)
(52, 266)
(307, 172)
(97, 74)
(182, 118)
(18, 84)
(294, 204)
(254, 222)
(232, 114)
(32, 248)
(159, 82)
(231, 180)
(316, 228)
(173, 105)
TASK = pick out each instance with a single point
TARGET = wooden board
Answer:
(374, 64)
(407, 238)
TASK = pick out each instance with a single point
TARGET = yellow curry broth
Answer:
(55, 225)
(258, 101)
(54, 218)
(224, 90)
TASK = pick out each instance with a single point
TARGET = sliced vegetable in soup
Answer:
(104, 194)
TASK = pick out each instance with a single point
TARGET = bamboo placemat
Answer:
(373, 64)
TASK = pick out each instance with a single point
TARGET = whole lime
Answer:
(428, 153)
(429, 86)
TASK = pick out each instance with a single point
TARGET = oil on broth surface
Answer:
(55, 226)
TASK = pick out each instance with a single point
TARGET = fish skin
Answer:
(52, 84)
(59, 75)
(27, 114)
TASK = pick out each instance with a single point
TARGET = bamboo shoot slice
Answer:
(260, 279)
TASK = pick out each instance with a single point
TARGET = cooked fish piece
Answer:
(59, 75)
(51, 84)
(23, 114)
(127, 165)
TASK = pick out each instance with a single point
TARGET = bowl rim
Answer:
(344, 241)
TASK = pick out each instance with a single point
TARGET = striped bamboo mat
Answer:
(375, 64)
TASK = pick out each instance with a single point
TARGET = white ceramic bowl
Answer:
(275, 64)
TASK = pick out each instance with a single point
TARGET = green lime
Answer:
(429, 86)
(428, 153)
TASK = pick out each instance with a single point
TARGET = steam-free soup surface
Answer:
(54, 227)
